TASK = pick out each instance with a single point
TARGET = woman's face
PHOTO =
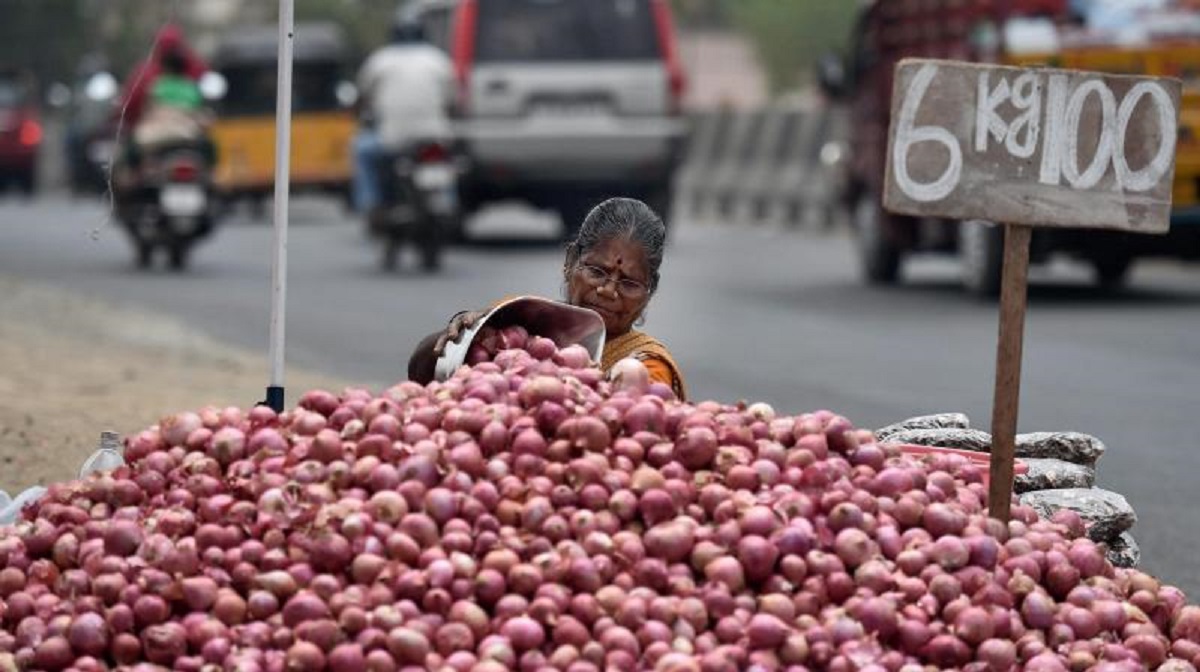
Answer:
(611, 279)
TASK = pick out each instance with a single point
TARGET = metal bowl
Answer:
(560, 322)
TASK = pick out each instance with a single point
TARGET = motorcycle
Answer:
(419, 189)
(170, 204)
(163, 187)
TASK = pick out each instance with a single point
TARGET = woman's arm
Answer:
(423, 362)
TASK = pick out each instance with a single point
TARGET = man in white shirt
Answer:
(406, 90)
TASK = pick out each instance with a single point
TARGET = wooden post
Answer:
(1007, 397)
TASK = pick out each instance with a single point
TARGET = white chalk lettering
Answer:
(1104, 143)
(908, 135)
(1146, 178)
(1027, 96)
(1052, 139)
(987, 119)
(1077, 122)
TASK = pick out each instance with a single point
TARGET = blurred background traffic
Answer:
(709, 109)
(756, 127)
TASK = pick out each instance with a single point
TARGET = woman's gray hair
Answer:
(622, 218)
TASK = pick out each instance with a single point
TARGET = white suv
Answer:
(563, 102)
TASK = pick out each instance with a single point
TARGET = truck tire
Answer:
(1112, 271)
(456, 229)
(431, 256)
(879, 255)
(143, 254)
(429, 242)
(177, 256)
(981, 253)
(389, 260)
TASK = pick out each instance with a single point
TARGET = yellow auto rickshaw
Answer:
(323, 119)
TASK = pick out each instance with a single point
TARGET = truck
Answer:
(1146, 37)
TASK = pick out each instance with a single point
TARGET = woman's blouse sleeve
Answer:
(660, 372)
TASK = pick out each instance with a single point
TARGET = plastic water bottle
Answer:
(107, 458)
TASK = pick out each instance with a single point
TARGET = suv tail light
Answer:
(462, 46)
(183, 171)
(676, 79)
(30, 133)
(433, 152)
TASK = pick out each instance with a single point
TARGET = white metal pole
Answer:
(283, 138)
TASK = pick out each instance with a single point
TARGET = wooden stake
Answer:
(1007, 396)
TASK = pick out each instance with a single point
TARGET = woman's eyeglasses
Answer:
(626, 287)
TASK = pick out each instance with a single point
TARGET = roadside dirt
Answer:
(71, 367)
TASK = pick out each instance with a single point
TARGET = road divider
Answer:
(780, 165)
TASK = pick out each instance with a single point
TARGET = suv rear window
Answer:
(566, 30)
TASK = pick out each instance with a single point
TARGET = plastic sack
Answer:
(10, 513)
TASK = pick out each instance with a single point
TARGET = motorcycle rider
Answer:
(161, 100)
(171, 129)
(406, 90)
(175, 107)
(142, 78)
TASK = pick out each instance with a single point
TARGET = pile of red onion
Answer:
(528, 514)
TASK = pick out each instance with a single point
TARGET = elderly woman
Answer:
(611, 268)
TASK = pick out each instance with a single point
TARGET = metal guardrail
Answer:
(780, 165)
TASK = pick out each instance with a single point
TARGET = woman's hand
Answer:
(459, 324)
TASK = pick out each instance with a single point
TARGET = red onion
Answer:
(164, 643)
(630, 376)
(524, 633)
(1150, 649)
(853, 547)
(88, 635)
(122, 537)
(305, 657)
(199, 592)
(696, 447)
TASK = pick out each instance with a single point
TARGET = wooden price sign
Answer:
(1028, 147)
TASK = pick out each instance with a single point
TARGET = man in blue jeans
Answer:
(367, 151)
(406, 88)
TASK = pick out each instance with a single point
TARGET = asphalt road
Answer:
(750, 313)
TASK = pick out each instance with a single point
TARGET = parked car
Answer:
(563, 102)
(20, 130)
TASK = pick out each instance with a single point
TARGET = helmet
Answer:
(407, 26)
(408, 32)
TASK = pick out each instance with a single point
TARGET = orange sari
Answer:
(651, 352)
